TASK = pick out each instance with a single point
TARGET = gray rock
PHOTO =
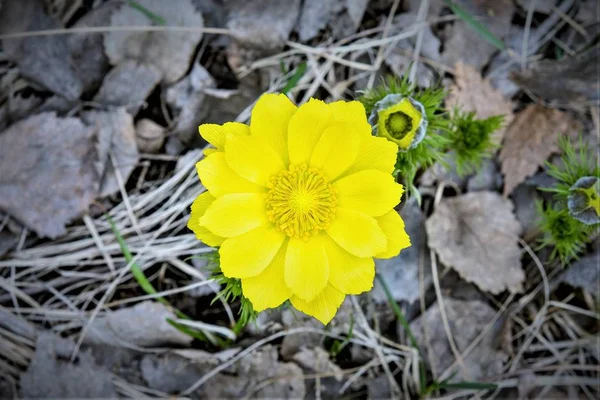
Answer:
(51, 374)
(524, 198)
(264, 24)
(46, 60)
(584, 273)
(401, 273)
(143, 325)
(487, 178)
(149, 136)
(128, 85)
(439, 172)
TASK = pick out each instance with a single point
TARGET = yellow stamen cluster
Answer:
(300, 202)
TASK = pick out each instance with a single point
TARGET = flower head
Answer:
(299, 202)
(584, 200)
(400, 119)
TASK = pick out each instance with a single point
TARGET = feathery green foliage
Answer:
(231, 292)
(575, 163)
(471, 139)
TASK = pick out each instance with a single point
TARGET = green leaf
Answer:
(293, 81)
(476, 25)
(152, 16)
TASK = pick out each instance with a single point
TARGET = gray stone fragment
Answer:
(52, 375)
(487, 178)
(584, 273)
(143, 325)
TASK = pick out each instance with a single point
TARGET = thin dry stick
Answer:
(381, 50)
(421, 16)
(395, 389)
(103, 29)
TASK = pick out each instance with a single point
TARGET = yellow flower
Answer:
(399, 119)
(299, 202)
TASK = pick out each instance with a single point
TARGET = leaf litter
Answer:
(476, 234)
(530, 139)
(215, 78)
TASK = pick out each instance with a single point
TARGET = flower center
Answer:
(398, 124)
(301, 202)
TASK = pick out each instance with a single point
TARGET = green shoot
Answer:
(295, 78)
(147, 287)
(149, 14)
(476, 25)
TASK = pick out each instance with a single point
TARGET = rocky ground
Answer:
(100, 101)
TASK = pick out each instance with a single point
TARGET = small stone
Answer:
(149, 136)
(487, 178)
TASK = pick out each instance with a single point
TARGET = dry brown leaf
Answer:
(47, 173)
(471, 92)
(530, 140)
(476, 234)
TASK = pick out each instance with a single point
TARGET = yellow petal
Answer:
(253, 159)
(323, 307)
(219, 179)
(199, 206)
(268, 289)
(353, 113)
(249, 254)
(270, 118)
(392, 226)
(370, 192)
(375, 153)
(305, 130)
(306, 267)
(357, 233)
(217, 134)
(234, 214)
(347, 273)
(336, 150)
